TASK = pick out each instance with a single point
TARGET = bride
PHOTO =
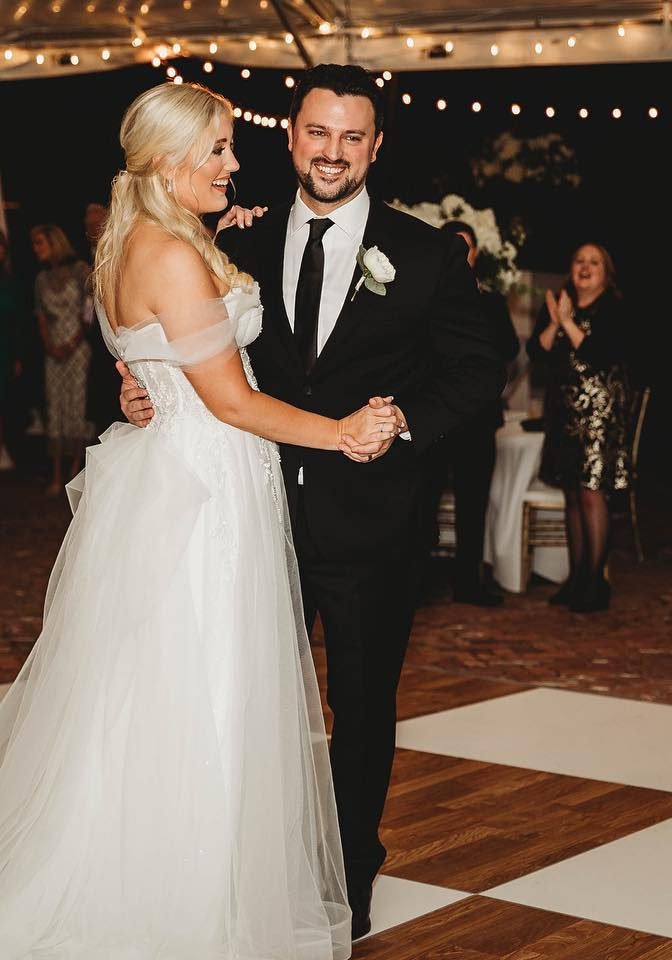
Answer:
(165, 790)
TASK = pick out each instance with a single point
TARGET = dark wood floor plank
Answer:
(480, 928)
(472, 826)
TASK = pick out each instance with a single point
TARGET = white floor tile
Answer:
(397, 901)
(627, 883)
(560, 731)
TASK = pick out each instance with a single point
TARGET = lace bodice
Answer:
(156, 360)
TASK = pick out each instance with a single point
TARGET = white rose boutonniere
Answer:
(376, 271)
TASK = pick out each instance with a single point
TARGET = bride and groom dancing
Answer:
(165, 786)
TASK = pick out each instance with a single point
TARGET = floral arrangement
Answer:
(496, 265)
(543, 159)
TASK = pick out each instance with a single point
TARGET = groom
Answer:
(327, 344)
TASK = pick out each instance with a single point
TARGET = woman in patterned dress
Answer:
(62, 305)
(580, 338)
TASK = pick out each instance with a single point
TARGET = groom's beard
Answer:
(347, 188)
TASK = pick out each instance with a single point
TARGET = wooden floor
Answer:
(453, 822)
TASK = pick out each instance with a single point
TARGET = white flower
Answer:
(376, 271)
(378, 265)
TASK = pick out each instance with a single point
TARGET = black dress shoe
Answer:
(479, 597)
(361, 913)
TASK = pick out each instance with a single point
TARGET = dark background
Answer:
(59, 150)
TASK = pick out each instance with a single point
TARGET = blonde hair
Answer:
(164, 128)
(62, 250)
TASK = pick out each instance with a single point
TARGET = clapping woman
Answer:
(580, 338)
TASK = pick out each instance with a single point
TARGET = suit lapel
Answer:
(273, 295)
(353, 312)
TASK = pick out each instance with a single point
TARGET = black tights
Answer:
(587, 523)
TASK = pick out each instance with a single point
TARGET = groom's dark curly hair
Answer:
(345, 80)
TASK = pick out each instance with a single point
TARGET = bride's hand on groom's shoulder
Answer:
(133, 400)
(370, 432)
(240, 217)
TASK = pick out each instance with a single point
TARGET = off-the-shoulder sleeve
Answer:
(183, 336)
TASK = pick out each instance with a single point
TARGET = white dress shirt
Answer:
(341, 243)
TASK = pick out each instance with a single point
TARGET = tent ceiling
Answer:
(402, 35)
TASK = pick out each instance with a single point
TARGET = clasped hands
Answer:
(560, 310)
(363, 436)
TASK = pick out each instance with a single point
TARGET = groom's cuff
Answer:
(406, 435)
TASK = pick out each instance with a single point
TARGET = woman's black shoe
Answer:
(565, 595)
(595, 596)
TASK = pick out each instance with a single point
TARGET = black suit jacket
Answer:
(426, 343)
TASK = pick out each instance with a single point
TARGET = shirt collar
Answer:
(350, 216)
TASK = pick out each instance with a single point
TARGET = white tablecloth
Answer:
(516, 467)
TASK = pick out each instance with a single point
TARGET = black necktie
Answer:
(308, 292)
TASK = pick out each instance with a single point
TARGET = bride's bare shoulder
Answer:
(156, 252)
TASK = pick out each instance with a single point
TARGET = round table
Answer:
(516, 469)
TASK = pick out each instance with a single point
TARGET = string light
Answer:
(90, 8)
(20, 11)
(325, 27)
(617, 113)
(256, 118)
(39, 59)
(476, 106)
(410, 42)
(571, 41)
(441, 104)
(105, 54)
(162, 52)
(284, 123)
(272, 122)
(621, 30)
(245, 73)
(186, 4)
(74, 60)
(264, 121)
(208, 67)
(290, 82)
(653, 112)
(9, 54)
(237, 112)
(387, 75)
(144, 9)
(449, 46)
(515, 109)
(263, 4)
(583, 113)
(156, 61)
(177, 48)
(494, 50)
(380, 82)
(366, 33)
(247, 115)
(171, 72)
(178, 79)
(136, 42)
(538, 47)
(289, 38)
(252, 45)
(406, 98)
(213, 47)
(550, 112)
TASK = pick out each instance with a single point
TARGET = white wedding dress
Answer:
(165, 791)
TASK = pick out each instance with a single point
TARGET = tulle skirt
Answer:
(165, 791)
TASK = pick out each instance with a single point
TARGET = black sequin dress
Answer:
(586, 403)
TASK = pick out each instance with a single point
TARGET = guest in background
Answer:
(580, 338)
(102, 395)
(62, 305)
(10, 363)
(469, 453)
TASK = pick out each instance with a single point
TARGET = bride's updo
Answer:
(164, 128)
